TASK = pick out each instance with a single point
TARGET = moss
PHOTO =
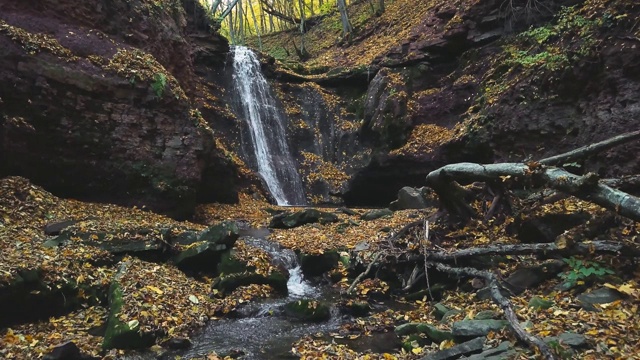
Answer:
(120, 335)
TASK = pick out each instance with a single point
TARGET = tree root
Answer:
(365, 273)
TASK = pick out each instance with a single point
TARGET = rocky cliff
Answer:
(98, 101)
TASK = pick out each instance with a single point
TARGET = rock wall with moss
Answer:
(99, 101)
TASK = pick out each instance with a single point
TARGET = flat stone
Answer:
(529, 277)
(54, 228)
(603, 295)
(503, 351)
(376, 214)
(477, 327)
(454, 352)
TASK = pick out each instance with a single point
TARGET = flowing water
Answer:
(262, 330)
(266, 124)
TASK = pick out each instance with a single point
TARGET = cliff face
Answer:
(96, 102)
(468, 80)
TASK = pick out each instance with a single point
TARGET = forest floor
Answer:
(165, 299)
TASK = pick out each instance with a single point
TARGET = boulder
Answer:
(118, 334)
(474, 328)
(503, 351)
(376, 214)
(603, 295)
(288, 220)
(67, 351)
(411, 198)
(230, 282)
(308, 310)
(318, 264)
(225, 233)
(203, 256)
(456, 351)
(529, 277)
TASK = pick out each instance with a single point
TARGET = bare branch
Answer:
(584, 151)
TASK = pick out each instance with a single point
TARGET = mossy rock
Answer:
(229, 264)
(308, 310)
(318, 264)
(288, 220)
(230, 282)
(118, 334)
(225, 233)
(202, 257)
(376, 214)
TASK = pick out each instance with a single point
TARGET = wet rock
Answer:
(454, 352)
(118, 334)
(67, 351)
(230, 282)
(225, 233)
(603, 295)
(318, 264)
(308, 310)
(202, 257)
(288, 220)
(503, 351)
(376, 214)
(411, 198)
(529, 277)
(449, 314)
(356, 308)
(177, 343)
(474, 328)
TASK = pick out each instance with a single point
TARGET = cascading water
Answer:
(265, 120)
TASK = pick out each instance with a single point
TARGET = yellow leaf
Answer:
(158, 291)
(416, 350)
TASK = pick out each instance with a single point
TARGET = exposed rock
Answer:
(546, 228)
(454, 352)
(356, 308)
(412, 198)
(67, 351)
(538, 303)
(431, 332)
(486, 315)
(603, 295)
(308, 310)
(477, 327)
(318, 264)
(230, 282)
(529, 277)
(225, 233)
(376, 214)
(574, 340)
(288, 220)
(439, 310)
(120, 335)
(503, 351)
(140, 146)
(177, 343)
(54, 228)
(202, 257)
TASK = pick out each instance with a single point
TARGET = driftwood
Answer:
(365, 273)
(503, 302)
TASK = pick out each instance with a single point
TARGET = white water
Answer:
(265, 120)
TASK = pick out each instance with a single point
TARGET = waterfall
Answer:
(266, 124)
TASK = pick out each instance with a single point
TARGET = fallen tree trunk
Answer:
(586, 187)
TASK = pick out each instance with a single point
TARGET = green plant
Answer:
(159, 84)
(583, 270)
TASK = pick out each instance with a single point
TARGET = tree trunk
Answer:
(347, 29)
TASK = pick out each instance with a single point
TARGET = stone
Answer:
(603, 295)
(376, 214)
(202, 257)
(356, 308)
(318, 264)
(308, 310)
(118, 334)
(454, 352)
(409, 198)
(538, 303)
(433, 333)
(439, 310)
(503, 351)
(177, 343)
(230, 282)
(288, 220)
(225, 233)
(54, 228)
(529, 277)
(474, 328)
(486, 315)
(66, 351)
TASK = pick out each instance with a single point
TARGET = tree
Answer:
(347, 29)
